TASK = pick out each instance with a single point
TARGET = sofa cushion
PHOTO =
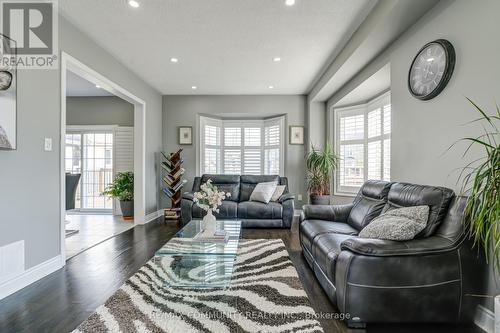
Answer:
(309, 229)
(369, 203)
(259, 210)
(248, 183)
(228, 210)
(437, 198)
(325, 250)
(226, 183)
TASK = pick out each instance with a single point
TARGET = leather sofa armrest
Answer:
(188, 196)
(286, 196)
(337, 213)
(386, 248)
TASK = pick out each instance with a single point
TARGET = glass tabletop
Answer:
(185, 241)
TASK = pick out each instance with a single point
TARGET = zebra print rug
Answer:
(265, 296)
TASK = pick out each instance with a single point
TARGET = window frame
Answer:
(222, 124)
(361, 109)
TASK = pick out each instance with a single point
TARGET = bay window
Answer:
(243, 146)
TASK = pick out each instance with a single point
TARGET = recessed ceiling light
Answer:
(271, 87)
(174, 60)
(277, 59)
(194, 87)
(133, 4)
(98, 86)
(290, 2)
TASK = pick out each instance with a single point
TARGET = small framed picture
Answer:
(185, 135)
(296, 135)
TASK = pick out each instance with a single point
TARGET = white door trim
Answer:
(70, 63)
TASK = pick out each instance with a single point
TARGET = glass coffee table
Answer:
(186, 261)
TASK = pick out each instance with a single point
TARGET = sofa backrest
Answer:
(240, 187)
(368, 204)
(226, 183)
(248, 183)
(437, 198)
(452, 227)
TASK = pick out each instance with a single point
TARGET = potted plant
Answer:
(122, 188)
(481, 181)
(320, 167)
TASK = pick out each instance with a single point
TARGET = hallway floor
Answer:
(92, 230)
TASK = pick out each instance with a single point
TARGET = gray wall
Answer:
(182, 111)
(317, 120)
(422, 132)
(99, 110)
(31, 174)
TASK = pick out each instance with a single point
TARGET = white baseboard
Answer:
(29, 276)
(485, 319)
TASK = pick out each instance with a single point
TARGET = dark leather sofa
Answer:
(252, 214)
(422, 280)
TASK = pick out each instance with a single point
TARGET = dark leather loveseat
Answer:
(422, 280)
(252, 214)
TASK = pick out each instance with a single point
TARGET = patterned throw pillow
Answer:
(278, 192)
(398, 224)
(263, 192)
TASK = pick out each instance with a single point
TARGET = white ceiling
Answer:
(370, 88)
(223, 46)
(76, 86)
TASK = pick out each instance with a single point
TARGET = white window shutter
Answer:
(123, 147)
(242, 147)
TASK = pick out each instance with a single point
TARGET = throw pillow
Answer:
(398, 224)
(278, 192)
(263, 192)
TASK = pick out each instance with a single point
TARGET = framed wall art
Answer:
(8, 96)
(185, 135)
(296, 135)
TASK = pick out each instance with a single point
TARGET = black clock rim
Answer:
(11, 77)
(448, 70)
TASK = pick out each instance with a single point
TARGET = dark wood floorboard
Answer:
(62, 300)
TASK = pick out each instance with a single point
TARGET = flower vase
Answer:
(209, 223)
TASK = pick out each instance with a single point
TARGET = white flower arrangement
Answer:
(209, 198)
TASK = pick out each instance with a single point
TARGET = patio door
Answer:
(90, 153)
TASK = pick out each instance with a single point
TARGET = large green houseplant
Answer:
(481, 182)
(122, 188)
(320, 166)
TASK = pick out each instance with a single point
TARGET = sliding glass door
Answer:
(90, 153)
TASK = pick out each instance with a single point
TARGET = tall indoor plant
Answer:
(320, 166)
(481, 182)
(122, 188)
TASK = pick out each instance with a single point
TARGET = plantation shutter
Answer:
(249, 147)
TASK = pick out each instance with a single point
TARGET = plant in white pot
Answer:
(320, 167)
(209, 199)
(122, 188)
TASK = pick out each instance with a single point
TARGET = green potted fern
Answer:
(481, 182)
(320, 166)
(122, 188)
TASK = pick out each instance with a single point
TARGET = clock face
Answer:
(431, 69)
(5, 80)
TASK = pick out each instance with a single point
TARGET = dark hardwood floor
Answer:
(62, 300)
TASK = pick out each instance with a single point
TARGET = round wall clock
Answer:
(5, 80)
(431, 69)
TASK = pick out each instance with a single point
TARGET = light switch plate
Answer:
(48, 144)
(299, 197)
